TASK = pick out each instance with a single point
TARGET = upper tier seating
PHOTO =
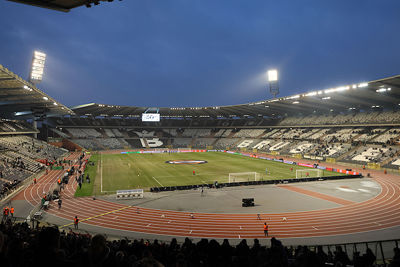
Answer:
(84, 132)
(378, 117)
(249, 133)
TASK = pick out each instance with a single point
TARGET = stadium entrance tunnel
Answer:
(194, 162)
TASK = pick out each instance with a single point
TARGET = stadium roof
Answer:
(21, 99)
(60, 5)
(373, 95)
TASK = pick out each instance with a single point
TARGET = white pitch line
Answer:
(156, 180)
(101, 172)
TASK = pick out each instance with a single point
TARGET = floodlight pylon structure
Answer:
(273, 82)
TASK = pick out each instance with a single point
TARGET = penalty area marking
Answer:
(156, 180)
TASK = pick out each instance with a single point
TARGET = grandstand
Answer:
(346, 137)
(321, 168)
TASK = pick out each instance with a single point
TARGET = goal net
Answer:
(306, 173)
(244, 177)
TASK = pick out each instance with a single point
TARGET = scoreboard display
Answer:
(155, 117)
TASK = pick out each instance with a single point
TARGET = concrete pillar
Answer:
(35, 126)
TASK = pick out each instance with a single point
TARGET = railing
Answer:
(383, 250)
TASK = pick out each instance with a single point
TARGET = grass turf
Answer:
(87, 188)
(129, 171)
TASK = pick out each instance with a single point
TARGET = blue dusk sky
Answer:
(178, 53)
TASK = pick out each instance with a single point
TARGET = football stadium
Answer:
(295, 178)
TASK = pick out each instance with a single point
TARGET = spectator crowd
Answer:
(21, 245)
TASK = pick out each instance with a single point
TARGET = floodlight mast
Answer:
(273, 82)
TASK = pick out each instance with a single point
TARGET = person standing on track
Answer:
(76, 222)
(12, 211)
(59, 203)
(265, 229)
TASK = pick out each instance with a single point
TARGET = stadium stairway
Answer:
(103, 133)
(99, 144)
(344, 155)
(192, 144)
(145, 143)
(382, 133)
(125, 134)
(387, 161)
(122, 144)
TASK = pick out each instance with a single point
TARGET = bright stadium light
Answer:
(39, 58)
(362, 85)
(272, 75)
(273, 82)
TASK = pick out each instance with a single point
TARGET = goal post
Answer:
(244, 177)
(309, 173)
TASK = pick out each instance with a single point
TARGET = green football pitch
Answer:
(129, 171)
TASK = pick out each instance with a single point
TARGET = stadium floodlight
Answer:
(381, 90)
(272, 75)
(273, 82)
(37, 68)
(362, 85)
(27, 88)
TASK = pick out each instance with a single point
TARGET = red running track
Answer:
(380, 212)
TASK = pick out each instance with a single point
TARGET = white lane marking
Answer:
(347, 189)
(101, 172)
(369, 184)
(364, 190)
